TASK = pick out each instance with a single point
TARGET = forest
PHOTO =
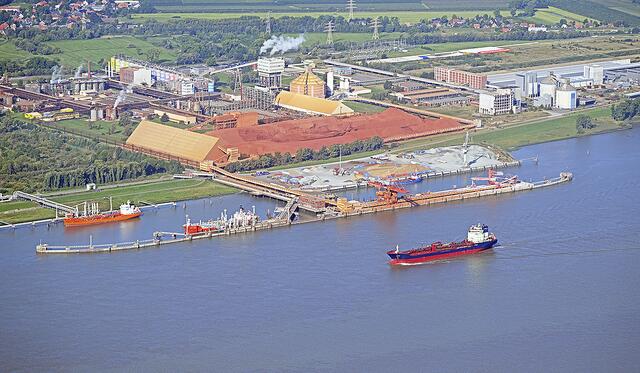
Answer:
(33, 158)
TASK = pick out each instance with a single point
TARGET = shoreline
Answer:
(44, 215)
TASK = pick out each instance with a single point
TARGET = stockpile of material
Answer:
(289, 136)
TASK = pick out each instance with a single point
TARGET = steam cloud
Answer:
(122, 95)
(281, 44)
(56, 74)
(78, 73)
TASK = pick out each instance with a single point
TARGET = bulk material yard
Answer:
(387, 168)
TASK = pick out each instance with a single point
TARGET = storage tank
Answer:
(548, 86)
(566, 97)
(330, 82)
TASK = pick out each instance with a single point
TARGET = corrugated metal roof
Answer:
(307, 78)
(176, 142)
(311, 104)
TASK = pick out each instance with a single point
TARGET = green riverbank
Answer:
(140, 194)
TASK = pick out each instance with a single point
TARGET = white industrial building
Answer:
(595, 73)
(579, 75)
(501, 101)
(270, 72)
(556, 92)
(566, 97)
(187, 88)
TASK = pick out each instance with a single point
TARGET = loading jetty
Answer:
(387, 198)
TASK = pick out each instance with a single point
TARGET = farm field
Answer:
(403, 16)
(553, 15)
(8, 51)
(75, 52)
(625, 6)
(319, 37)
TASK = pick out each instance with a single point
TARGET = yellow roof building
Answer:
(311, 105)
(174, 142)
(308, 84)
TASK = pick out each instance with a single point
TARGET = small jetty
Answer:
(387, 198)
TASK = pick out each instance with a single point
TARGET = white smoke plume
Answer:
(56, 74)
(78, 73)
(281, 44)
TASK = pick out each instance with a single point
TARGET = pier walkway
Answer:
(44, 202)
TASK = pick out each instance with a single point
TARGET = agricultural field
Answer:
(626, 6)
(312, 38)
(75, 52)
(553, 15)
(310, 5)
(8, 51)
(488, 5)
(403, 16)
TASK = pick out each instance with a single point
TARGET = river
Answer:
(561, 292)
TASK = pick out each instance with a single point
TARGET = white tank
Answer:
(566, 97)
(330, 82)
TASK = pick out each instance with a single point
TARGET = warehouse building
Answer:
(136, 75)
(311, 105)
(172, 143)
(452, 76)
(502, 101)
(433, 97)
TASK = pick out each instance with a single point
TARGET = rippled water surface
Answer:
(561, 293)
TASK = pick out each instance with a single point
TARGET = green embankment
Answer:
(518, 135)
(547, 130)
(147, 193)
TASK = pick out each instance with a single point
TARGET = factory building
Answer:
(595, 73)
(566, 97)
(433, 97)
(187, 88)
(548, 87)
(501, 101)
(452, 76)
(176, 116)
(177, 144)
(311, 105)
(528, 83)
(88, 84)
(556, 92)
(308, 84)
(136, 75)
(270, 72)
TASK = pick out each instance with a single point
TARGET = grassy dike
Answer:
(517, 135)
(141, 194)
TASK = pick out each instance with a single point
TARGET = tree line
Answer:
(36, 158)
(625, 110)
(305, 154)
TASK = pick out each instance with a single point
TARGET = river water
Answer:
(561, 293)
